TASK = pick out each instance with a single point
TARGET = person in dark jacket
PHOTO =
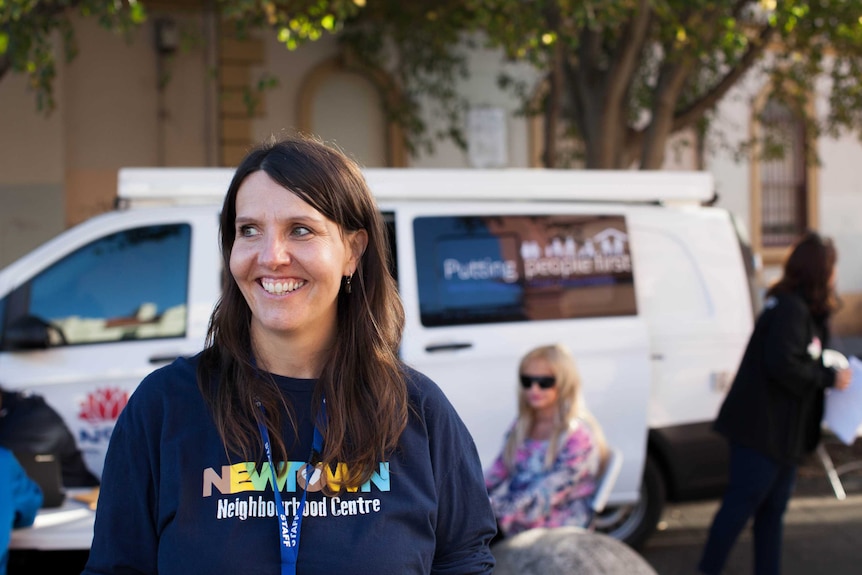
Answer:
(30, 425)
(772, 414)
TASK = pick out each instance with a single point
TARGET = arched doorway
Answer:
(344, 104)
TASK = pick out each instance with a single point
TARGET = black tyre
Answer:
(634, 523)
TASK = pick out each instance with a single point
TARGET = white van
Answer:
(648, 286)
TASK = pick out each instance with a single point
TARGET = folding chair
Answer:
(606, 482)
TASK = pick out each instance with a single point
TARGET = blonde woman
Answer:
(553, 453)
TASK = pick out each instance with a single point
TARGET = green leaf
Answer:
(138, 13)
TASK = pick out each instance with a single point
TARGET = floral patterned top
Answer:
(532, 496)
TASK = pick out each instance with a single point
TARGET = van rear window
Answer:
(488, 269)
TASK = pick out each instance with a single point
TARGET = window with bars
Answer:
(783, 175)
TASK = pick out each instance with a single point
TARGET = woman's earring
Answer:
(347, 283)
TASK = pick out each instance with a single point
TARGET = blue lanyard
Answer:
(288, 533)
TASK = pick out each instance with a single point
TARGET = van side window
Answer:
(130, 285)
(489, 269)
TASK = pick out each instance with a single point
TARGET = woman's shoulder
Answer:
(170, 382)
(422, 389)
(784, 301)
(428, 400)
(789, 308)
(578, 426)
(579, 432)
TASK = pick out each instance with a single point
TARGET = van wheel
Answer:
(634, 523)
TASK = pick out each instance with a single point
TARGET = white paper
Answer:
(486, 141)
(836, 359)
(843, 414)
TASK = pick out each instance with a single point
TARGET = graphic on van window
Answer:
(517, 268)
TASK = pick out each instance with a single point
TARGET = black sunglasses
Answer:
(544, 382)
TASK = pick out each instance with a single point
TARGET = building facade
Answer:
(185, 91)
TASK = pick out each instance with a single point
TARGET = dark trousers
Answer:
(758, 487)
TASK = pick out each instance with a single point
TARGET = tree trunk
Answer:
(586, 89)
(552, 108)
(599, 88)
(671, 80)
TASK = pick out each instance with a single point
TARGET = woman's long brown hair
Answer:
(363, 380)
(807, 271)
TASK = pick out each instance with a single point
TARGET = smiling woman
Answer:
(299, 417)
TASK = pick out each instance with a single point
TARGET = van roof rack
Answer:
(146, 187)
(540, 184)
(138, 187)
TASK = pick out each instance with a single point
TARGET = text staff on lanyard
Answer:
(288, 533)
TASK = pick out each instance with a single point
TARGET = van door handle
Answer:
(434, 347)
(163, 358)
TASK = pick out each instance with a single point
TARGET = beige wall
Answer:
(110, 115)
(32, 206)
(117, 115)
(30, 214)
(357, 126)
(31, 143)
(59, 169)
(290, 67)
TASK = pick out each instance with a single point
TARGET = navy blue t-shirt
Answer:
(172, 501)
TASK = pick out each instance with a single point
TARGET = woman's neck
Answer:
(290, 356)
(543, 425)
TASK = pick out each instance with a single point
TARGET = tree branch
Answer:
(552, 107)
(590, 46)
(48, 10)
(5, 65)
(618, 81)
(583, 84)
(622, 71)
(671, 80)
(696, 109)
(632, 146)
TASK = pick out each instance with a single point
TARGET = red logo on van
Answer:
(103, 405)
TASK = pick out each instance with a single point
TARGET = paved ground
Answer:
(822, 534)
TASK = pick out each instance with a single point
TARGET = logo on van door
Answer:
(100, 410)
(103, 405)
(483, 269)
